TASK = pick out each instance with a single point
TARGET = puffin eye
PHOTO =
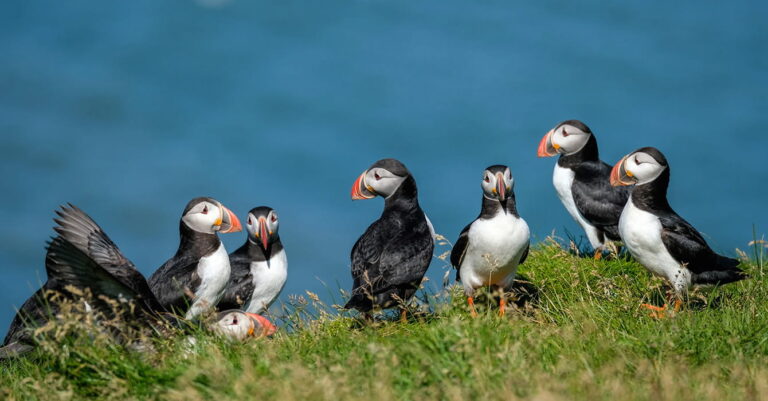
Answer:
(234, 320)
(274, 218)
(565, 134)
(205, 209)
(487, 179)
(376, 176)
(249, 220)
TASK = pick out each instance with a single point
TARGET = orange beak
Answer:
(360, 190)
(619, 174)
(501, 187)
(263, 232)
(229, 222)
(267, 328)
(546, 148)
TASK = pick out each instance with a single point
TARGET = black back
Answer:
(684, 243)
(598, 201)
(390, 259)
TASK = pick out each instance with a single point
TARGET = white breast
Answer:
(562, 179)
(641, 233)
(493, 252)
(268, 282)
(213, 271)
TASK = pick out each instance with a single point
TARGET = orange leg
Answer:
(403, 316)
(598, 253)
(502, 305)
(471, 302)
(660, 312)
(657, 312)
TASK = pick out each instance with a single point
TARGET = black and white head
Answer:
(238, 325)
(497, 182)
(383, 178)
(209, 216)
(262, 225)
(566, 138)
(639, 167)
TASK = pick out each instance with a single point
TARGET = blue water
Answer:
(130, 109)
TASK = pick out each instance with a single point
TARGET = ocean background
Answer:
(130, 109)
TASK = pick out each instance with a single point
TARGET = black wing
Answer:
(384, 257)
(33, 313)
(240, 286)
(367, 251)
(406, 258)
(78, 229)
(68, 265)
(175, 283)
(459, 249)
(600, 203)
(525, 253)
(688, 247)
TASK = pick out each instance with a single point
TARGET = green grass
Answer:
(583, 337)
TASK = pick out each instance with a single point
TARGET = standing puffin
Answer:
(659, 238)
(259, 267)
(582, 182)
(194, 279)
(491, 247)
(390, 259)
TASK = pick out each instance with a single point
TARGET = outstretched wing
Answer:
(78, 229)
(459, 249)
(68, 265)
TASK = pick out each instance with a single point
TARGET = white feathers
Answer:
(562, 179)
(268, 282)
(641, 233)
(213, 271)
(493, 252)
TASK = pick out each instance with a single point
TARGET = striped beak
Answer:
(262, 327)
(620, 176)
(546, 147)
(501, 187)
(229, 222)
(360, 190)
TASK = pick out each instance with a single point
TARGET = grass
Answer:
(582, 337)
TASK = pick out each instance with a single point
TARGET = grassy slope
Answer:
(585, 338)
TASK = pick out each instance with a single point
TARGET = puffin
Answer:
(84, 257)
(390, 259)
(491, 247)
(581, 181)
(239, 325)
(194, 279)
(82, 243)
(658, 238)
(259, 267)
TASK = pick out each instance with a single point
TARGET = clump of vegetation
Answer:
(579, 333)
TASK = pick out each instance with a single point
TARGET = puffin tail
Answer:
(727, 271)
(360, 302)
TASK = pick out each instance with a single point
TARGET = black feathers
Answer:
(390, 259)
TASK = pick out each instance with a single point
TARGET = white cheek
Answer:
(199, 222)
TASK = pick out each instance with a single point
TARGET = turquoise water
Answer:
(129, 110)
